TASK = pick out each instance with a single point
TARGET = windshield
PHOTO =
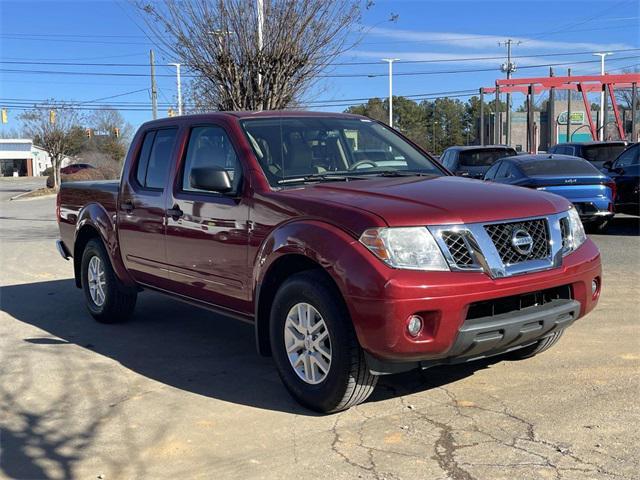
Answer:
(324, 148)
(602, 153)
(569, 166)
(484, 158)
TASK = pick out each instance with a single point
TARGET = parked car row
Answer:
(599, 178)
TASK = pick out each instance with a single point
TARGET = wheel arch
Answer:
(290, 249)
(95, 222)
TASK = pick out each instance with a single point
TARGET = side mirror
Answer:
(212, 179)
(608, 164)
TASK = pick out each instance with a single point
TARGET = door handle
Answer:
(127, 206)
(175, 212)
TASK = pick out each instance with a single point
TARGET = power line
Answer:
(345, 75)
(442, 60)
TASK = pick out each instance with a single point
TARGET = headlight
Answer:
(576, 231)
(412, 248)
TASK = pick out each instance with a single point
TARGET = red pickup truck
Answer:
(351, 250)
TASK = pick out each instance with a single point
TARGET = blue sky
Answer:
(451, 35)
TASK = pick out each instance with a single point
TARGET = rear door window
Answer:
(484, 158)
(155, 158)
(602, 153)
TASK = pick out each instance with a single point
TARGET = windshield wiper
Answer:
(319, 177)
(397, 173)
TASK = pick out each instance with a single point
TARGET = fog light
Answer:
(594, 286)
(414, 326)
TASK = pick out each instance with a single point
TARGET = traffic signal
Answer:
(4, 115)
(88, 133)
(52, 117)
(116, 132)
(171, 113)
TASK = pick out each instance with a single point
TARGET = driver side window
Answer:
(628, 158)
(209, 146)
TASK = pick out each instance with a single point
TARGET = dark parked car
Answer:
(347, 268)
(590, 191)
(595, 152)
(474, 161)
(625, 171)
(75, 168)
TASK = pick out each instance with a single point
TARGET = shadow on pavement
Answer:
(184, 347)
(625, 225)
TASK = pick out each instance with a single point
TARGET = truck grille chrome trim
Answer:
(504, 249)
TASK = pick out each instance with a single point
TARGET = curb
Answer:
(24, 194)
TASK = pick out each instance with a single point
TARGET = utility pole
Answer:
(601, 119)
(179, 85)
(390, 61)
(260, 45)
(508, 68)
(481, 116)
(154, 90)
(551, 114)
(634, 107)
(569, 94)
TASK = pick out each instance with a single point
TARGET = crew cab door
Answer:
(207, 232)
(142, 205)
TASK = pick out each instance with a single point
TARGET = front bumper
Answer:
(443, 300)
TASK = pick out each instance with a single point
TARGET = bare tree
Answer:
(218, 42)
(56, 127)
(111, 134)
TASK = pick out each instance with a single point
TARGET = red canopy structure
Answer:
(583, 84)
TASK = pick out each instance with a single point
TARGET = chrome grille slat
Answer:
(458, 248)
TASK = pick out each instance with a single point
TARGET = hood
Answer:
(410, 201)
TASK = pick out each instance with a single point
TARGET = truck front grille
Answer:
(501, 235)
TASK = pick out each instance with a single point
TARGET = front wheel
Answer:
(108, 300)
(315, 349)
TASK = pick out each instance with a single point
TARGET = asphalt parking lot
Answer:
(181, 393)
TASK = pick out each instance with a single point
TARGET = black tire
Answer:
(119, 300)
(536, 348)
(348, 381)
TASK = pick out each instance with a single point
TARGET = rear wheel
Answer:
(108, 300)
(314, 346)
(538, 347)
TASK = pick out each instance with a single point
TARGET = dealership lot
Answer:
(179, 392)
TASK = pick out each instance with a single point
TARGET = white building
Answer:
(20, 157)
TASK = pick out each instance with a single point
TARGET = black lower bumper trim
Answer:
(488, 336)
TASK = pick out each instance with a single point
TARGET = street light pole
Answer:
(179, 84)
(390, 62)
(601, 116)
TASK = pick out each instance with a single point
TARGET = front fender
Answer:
(95, 216)
(337, 252)
(355, 270)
